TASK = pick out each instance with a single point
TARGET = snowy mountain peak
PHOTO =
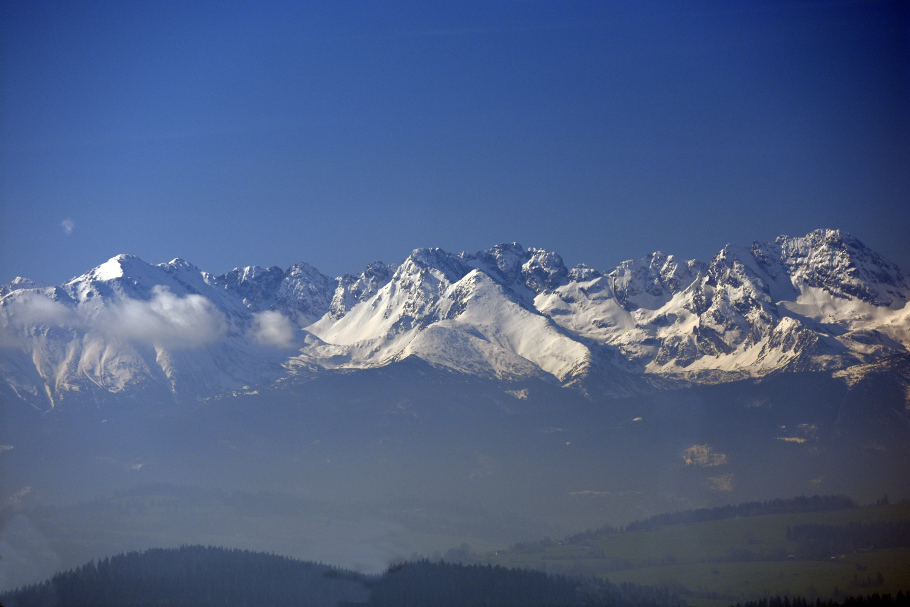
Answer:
(255, 285)
(582, 273)
(181, 265)
(445, 266)
(841, 265)
(819, 302)
(502, 262)
(26, 283)
(304, 292)
(115, 267)
(352, 290)
(507, 257)
(544, 271)
(19, 283)
(653, 280)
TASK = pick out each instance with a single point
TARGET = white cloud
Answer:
(165, 320)
(68, 225)
(273, 328)
(29, 308)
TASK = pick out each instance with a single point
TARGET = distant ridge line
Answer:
(800, 504)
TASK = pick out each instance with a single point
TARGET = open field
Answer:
(854, 574)
(728, 560)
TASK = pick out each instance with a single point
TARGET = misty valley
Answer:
(455, 468)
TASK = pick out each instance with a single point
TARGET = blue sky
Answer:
(340, 133)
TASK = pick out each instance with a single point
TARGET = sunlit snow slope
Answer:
(820, 302)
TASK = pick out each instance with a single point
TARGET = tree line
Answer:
(795, 505)
(871, 600)
(823, 541)
(801, 504)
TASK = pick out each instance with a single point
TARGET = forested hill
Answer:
(199, 576)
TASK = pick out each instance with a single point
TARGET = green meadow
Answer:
(716, 562)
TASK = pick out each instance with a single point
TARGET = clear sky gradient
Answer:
(340, 133)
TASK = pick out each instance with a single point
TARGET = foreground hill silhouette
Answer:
(199, 576)
(194, 575)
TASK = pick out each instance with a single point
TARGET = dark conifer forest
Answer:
(194, 575)
(200, 576)
(869, 600)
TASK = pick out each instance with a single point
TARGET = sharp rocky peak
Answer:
(180, 264)
(582, 273)
(19, 284)
(352, 289)
(256, 285)
(840, 264)
(517, 268)
(651, 281)
(544, 271)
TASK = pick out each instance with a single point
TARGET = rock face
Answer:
(820, 302)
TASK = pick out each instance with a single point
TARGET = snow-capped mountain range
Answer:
(820, 302)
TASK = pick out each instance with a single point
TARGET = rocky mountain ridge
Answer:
(822, 302)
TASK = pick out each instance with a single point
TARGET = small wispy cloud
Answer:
(68, 225)
(31, 308)
(272, 328)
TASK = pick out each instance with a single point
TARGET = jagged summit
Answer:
(823, 302)
(843, 266)
(115, 267)
(21, 283)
